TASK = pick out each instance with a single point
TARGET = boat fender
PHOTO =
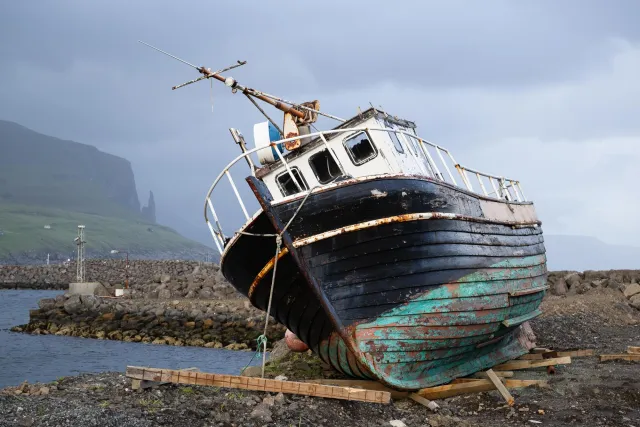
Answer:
(263, 135)
(294, 343)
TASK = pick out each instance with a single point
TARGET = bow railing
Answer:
(433, 160)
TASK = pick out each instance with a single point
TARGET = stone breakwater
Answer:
(106, 271)
(577, 283)
(231, 324)
(171, 302)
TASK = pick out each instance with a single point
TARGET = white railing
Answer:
(503, 188)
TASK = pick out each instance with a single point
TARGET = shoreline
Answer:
(231, 324)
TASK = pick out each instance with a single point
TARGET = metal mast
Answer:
(80, 260)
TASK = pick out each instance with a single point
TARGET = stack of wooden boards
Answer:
(499, 378)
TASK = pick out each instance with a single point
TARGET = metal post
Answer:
(80, 256)
(484, 190)
(445, 166)
(524, 198)
(495, 189)
(433, 165)
(235, 190)
(215, 218)
(286, 165)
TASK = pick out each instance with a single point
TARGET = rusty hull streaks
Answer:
(267, 267)
(405, 218)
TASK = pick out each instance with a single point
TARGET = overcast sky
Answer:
(547, 91)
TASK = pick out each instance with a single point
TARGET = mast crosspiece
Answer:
(302, 113)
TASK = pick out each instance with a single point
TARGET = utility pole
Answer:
(80, 258)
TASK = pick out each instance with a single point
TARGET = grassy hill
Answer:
(23, 230)
(61, 184)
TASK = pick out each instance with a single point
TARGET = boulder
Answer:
(73, 305)
(635, 301)
(573, 279)
(632, 290)
(560, 288)
(46, 303)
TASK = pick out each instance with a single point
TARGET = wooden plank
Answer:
(531, 356)
(502, 374)
(465, 380)
(480, 385)
(501, 388)
(425, 402)
(538, 350)
(633, 350)
(623, 356)
(571, 353)
(527, 364)
(145, 384)
(258, 384)
(365, 384)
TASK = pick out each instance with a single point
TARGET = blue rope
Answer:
(262, 341)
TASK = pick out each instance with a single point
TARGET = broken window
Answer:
(360, 148)
(324, 166)
(287, 185)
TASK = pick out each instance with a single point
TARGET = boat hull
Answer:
(404, 280)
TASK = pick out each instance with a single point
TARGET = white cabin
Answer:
(350, 154)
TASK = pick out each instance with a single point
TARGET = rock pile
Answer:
(573, 282)
(229, 324)
(106, 271)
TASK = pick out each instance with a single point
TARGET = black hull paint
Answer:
(368, 273)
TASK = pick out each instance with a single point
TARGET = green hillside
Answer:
(23, 229)
(46, 181)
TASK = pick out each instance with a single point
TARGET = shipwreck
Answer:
(376, 248)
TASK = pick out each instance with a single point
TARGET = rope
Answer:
(266, 319)
(262, 339)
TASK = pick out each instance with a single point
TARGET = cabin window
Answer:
(396, 142)
(360, 148)
(287, 185)
(324, 166)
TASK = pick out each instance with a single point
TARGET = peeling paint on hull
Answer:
(411, 304)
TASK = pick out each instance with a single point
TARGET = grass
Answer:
(22, 228)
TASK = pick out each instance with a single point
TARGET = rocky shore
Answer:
(589, 310)
(585, 392)
(229, 324)
(182, 304)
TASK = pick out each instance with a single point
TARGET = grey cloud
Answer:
(470, 73)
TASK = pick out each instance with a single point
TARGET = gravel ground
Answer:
(583, 393)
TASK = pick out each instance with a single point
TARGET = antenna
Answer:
(293, 109)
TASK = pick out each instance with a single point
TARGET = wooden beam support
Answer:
(501, 388)
(633, 350)
(572, 353)
(474, 386)
(539, 350)
(527, 364)
(365, 384)
(502, 374)
(424, 402)
(137, 384)
(623, 356)
(532, 356)
(257, 384)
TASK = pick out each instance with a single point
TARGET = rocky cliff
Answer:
(41, 170)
